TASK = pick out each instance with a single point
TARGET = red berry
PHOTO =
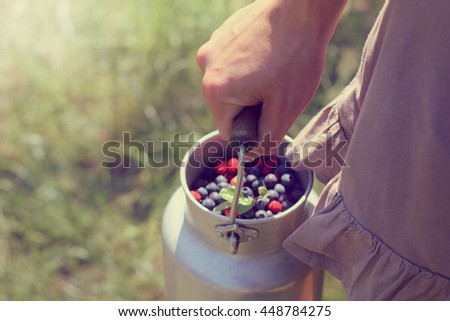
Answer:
(221, 168)
(229, 176)
(275, 206)
(266, 170)
(196, 195)
(227, 212)
(271, 161)
(234, 181)
(232, 166)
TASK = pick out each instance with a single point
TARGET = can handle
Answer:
(245, 127)
(243, 137)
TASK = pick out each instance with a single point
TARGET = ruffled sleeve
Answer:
(367, 267)
(322, 145)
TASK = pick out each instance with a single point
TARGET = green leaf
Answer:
(222, 206)
(241, 208)
(246, 201)
(227, 194)
(244, 208)
(262, 191)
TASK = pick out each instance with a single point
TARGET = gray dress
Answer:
(382, 225)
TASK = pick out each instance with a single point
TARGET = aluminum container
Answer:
(198, 263)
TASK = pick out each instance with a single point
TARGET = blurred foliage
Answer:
(76, 74)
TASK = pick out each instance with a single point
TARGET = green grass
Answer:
(74, 75)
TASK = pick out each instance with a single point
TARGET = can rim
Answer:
(225, 219)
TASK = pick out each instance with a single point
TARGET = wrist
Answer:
(318, 18)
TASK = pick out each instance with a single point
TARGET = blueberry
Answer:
(223, 185)
(281, 169)
(219, 179)
(250, 179)
(287, 180)
(283, 197)
(254, 171)
(272, 194)
(215, 196)
(261, 203)
(278, 187)
(212, 187)
(261, 181)
(247, 191)
(200, 183)
(203, 192)
(208, 203)
(285, 205)
(261, 214)
(248, 215)
(270, 180)
(255, 186)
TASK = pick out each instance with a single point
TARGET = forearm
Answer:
(318, 17)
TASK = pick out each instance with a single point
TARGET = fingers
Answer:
(220, 93)
(223, 118)
(202, 57)
(274, 122)
(216, 93)
(225, 97)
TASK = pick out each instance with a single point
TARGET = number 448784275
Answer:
(294, 310)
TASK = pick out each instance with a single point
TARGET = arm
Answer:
(270, 52)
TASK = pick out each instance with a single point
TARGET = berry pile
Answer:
(269, 187)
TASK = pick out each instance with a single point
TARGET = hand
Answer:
(270, 52)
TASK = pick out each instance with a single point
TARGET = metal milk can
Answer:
(198, 262)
